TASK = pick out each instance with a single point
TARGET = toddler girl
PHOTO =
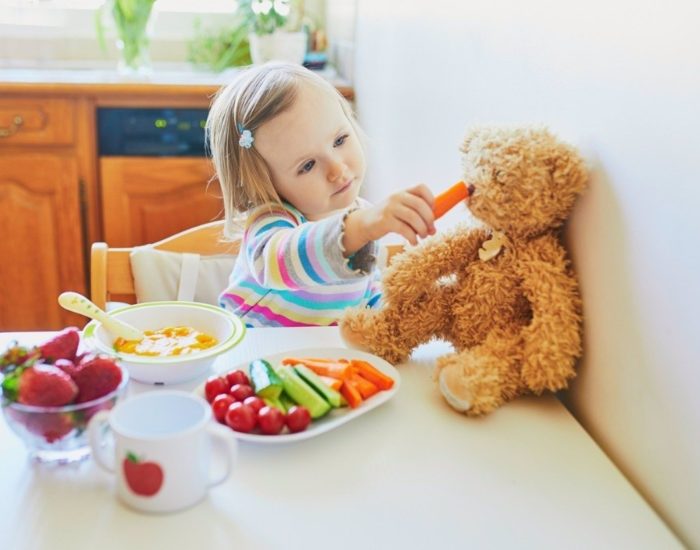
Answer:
(290, 163)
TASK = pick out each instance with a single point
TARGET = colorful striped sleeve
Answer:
(285, 252)
(374, 291)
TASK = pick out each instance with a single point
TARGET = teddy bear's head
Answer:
(525, 179)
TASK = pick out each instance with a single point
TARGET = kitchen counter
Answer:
(100, 79)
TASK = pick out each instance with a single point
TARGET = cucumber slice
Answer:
(276, 402)
(283, 402)
(287, 401)
(266, 383)
(329, 394)
(302, 393)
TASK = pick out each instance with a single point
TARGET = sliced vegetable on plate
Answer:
(311, 391)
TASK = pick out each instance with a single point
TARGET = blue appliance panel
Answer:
(161, 132)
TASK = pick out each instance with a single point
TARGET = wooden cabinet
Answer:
(145, 199)
(42, 246)
(57, 196)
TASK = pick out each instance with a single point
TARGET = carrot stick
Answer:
(335, 370)
(450, 198)
(333, 383)
(351, 394)
(364, 386)
(371, 373)
(320, 360)
(313, 360)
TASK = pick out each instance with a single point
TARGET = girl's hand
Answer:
(408, 213)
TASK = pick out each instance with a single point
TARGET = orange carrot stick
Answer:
(335, 370)
(369, 372)
(351, 394)
(325, 360)
(319, 360)
(450, 198)
(333, 383)
(364, 386)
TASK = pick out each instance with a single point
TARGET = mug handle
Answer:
(226, 445)
(95, 431)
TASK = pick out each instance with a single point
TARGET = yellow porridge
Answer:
(166, 342)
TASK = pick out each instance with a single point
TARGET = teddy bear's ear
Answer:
(569, 174)
(464, 148)
(473, 135)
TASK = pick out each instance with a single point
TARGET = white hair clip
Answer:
(246, 139)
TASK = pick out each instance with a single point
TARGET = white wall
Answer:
(621, 79)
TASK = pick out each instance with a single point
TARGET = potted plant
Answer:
(269, 31)
(130, 19)
(219, 49)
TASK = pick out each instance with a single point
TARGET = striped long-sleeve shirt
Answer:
(291, 272)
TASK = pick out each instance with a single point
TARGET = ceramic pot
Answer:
(278, 46)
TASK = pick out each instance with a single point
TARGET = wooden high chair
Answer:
(111, 278)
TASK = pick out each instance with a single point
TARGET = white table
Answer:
(409, 474)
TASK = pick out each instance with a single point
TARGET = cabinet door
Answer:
(41, 248)
(145, 199)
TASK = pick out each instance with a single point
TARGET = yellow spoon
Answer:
(77, 303)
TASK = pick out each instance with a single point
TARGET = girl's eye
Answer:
(307, 166)
(339, 141)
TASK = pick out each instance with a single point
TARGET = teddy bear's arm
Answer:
(415, 308)
(552, 340)
(431, 259)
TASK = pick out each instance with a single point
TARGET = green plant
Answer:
(130, 19)
(221, 48)
(264, 16)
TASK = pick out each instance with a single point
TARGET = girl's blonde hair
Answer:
(257, 95)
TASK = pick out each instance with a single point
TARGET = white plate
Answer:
(336, 417)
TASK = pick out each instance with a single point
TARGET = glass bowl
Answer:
(58, 434)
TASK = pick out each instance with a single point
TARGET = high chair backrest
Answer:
(111, 274)
(112, 278)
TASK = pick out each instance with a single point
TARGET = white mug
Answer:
(161, 457)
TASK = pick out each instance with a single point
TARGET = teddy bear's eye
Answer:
(498, 175)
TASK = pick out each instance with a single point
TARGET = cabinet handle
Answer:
(84, 233)
(17, 121)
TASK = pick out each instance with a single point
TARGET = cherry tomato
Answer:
(270, 420)
(240, 417)
(237, 377)
(214, 386)
(255, 402)
(220, 405)
(240, 391)
(298, 418)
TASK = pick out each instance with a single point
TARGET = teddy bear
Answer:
(502, 292)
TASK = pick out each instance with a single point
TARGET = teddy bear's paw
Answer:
(454, 390)
(352, 339)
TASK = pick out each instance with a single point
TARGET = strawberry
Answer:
(13, 362)
(84, 357)
(97, 377)
(62, 346)
(67, 366)
(51, 426)
(17, 356)
(46, 386)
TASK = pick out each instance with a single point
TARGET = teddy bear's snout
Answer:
(470, 189)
